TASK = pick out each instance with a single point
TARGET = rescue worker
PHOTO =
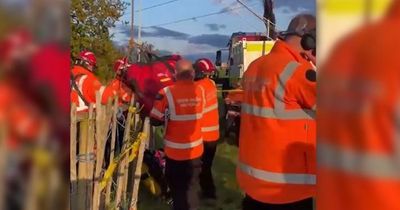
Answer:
(124, 94)
(22, 122)
(117, 87)
(276, 166)
(233, 101)
(358, 119)
(21, 117)
(205, 69)
(235, 96)
(181, 107)
(84, 83)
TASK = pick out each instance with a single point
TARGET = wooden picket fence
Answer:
(93, 187)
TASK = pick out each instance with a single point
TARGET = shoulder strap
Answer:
(74, 86)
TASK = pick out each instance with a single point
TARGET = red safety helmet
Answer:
(88, 57)
(205, 65)
(120, 64)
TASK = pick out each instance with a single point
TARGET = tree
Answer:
(90, 24)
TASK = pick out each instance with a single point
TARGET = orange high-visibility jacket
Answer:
(235, 96)
(19, 116)
(185, 102)
(88, 85)
(358, 121)
(211, 116)
(119, 89)
(277, 135)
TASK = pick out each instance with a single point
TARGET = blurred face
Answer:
(184, 67)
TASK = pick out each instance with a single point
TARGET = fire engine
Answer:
(243, 48)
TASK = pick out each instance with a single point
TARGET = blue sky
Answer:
(202, 37)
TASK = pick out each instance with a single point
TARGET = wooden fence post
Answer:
(103, 118)
(36, 174)
(73, 172)
(113, 136)
(123, 167)
(90, 158)
(151, 144)
(138, 171)
(3, 163)
(82, 169)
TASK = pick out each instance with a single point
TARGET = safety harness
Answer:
(74, 86)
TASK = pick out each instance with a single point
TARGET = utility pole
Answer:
(132, 20)
(267, 22)
(140, 27)
(132, 41)
(140, 22)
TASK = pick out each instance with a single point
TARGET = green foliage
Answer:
(90, 23)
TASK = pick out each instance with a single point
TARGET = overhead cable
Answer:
(195, 17)
(157, 5)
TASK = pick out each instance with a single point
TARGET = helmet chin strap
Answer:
(84, 64)
(88, 66)
(119, 73)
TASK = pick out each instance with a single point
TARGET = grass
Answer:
(229, 195)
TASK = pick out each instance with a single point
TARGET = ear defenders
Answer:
(309, 41)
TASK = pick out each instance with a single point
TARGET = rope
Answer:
(133, 147)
